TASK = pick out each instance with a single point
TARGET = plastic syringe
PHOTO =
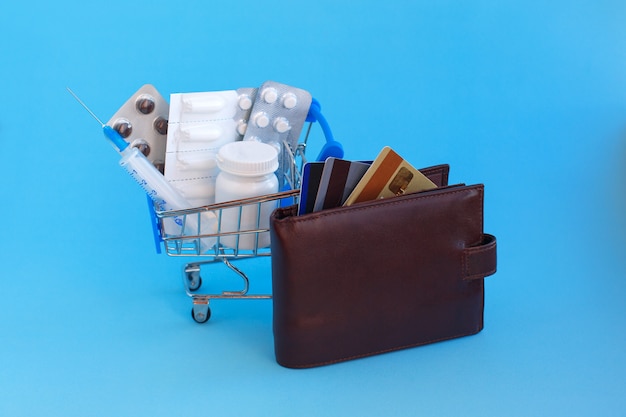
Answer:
(164, 196)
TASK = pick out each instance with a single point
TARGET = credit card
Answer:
(338, 180)
(389, 175)
(311, 175)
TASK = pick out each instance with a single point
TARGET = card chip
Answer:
(401, 181)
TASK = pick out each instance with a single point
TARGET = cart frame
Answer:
(188, 245)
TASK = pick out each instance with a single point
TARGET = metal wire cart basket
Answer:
(194, 243)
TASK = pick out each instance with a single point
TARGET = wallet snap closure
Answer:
(480, 261)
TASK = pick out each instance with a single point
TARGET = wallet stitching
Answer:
(439, 170)
(390, 201)
(464, 260)
(476, 251)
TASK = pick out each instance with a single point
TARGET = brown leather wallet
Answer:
(379, 276)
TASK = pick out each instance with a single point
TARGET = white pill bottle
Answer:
(247, 169)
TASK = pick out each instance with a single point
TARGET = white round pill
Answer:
(261, 120)
(242, 126)
(289, 100)
(245, 102)
(281, 125)
(270, 95)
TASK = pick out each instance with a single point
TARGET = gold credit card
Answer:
(389, 175)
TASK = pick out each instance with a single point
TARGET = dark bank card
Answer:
(339, 178)
(310, 182)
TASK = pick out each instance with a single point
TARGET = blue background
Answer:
(527, 97)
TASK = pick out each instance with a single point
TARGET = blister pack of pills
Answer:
(278, 114)
(199, 124)
(142, 122)
(276, 118)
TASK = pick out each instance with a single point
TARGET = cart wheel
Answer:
(194, 280)
(195, 284)
(201, 317)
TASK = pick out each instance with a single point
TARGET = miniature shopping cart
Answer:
(191, 244)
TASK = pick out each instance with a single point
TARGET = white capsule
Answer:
(269, 95)
(206, 104)
(281, 125)
(289, 100)
(261, 120)
(209, 132)
(200, 161)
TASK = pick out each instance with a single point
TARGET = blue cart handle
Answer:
(331, 148)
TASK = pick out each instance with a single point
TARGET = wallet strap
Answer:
(480, 261)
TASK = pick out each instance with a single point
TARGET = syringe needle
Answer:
(85, 106)
(109, 132)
